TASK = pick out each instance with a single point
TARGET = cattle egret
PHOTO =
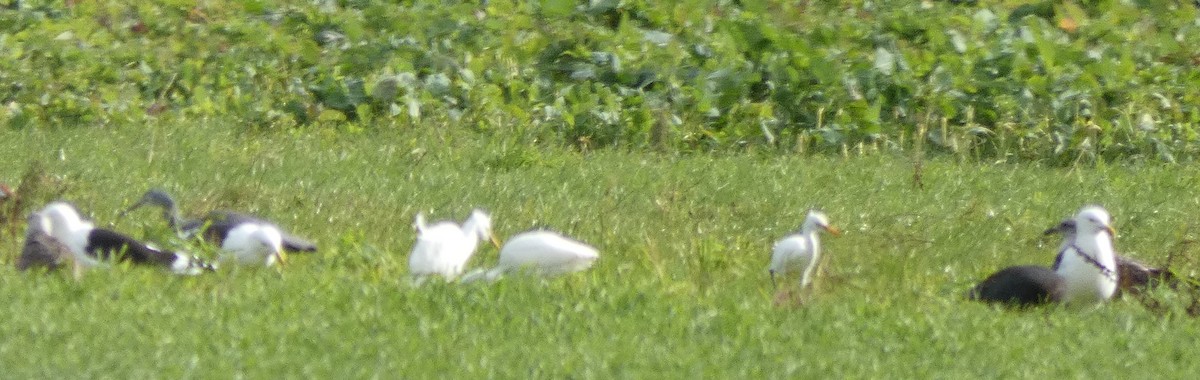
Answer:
(802, 250)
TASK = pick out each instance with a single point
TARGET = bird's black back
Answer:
(108, 245)
(1020, 286)
(220, 222)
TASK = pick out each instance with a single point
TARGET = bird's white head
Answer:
(271, 241)
(62, 218)
(480, 224)
(1093, 219)
(818, 220)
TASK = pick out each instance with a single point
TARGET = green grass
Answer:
(680, 289)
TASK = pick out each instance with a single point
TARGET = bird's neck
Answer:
(174, 219)
(1100, 247)
(474, 233)
(1092, 251)
(814, 242)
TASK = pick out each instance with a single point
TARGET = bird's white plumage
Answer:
(1095, 279)
(253, 244)
(800, 252)
(445, 247)
(545, 253)
(71, 230)
(795, 253)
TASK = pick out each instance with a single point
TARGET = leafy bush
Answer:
(1052, 81)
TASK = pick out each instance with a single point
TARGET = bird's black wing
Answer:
(1023, 285)
(293, 243)
(221, 222)
(105, 244)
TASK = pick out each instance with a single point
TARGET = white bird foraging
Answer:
(802, 250)
(254, 244)
(444, 247)
(542, 253)
(546, 253)
(1088, 264)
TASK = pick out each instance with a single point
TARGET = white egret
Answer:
(444, 247)
(216, 225)
(802, 250)
(542, 253)
(92, 246)
(254, 244)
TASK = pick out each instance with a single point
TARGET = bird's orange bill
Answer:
(495, 242)
(833, 230)
(1111, 232)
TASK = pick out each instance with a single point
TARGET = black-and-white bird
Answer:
(42, 250)
(1132, 275)
(217, 225)
(1088, 264)
(799, 252)
(91, 246)
(1084, 272)
(254, 245)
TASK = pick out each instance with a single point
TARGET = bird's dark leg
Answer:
(774, 285)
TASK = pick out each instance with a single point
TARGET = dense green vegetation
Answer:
(680, 138)
(1054, 81)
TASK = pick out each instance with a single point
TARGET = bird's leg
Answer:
(774, 285)
(76, 270)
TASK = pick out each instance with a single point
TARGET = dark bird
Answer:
(1088, 275)
(217, 225)
(41, 250)
(91, 246)
(1023, 285)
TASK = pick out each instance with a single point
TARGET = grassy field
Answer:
(680, 290)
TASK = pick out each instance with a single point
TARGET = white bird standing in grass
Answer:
(444, 247)
(1088, 264)
(254, 244)
(802, 250)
